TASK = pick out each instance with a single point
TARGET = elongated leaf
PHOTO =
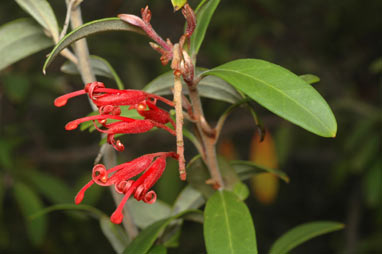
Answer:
(42, 12)
(147, 237)
(159, 249)
(21, 38)
(146, 214)
(114, 233)
(93, 27)
(281, 92)
(189, 198)
(204, 13)
(310, 78)
(100, 66)
(177, 4)
(301, 234)
(52, 188)
(246, 169)
(228, 226)
(67, 207)
(210, 87)
(29, 204)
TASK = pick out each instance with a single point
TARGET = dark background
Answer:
(331, 179)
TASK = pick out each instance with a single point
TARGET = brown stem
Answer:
(87, 75)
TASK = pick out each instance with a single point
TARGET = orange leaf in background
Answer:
(227, 149)
(264, 186)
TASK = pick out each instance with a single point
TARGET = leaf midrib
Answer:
(227, 221)
(279, 91)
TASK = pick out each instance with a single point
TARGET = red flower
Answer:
(152, 166)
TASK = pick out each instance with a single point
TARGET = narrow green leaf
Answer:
(42, 12)
(281, 92)
(67, 207)
(21, 38)
(158, 249)
(114, 233)
(310, 78)
(93, 27)
(301, 234)
(246, 169)
(204, 13)
(100, 66)
(189, 198)
(51, 187)
(210, 87)
(29, 204)
(228, 225)
(146, 214)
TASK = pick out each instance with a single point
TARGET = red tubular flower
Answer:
(152, 166)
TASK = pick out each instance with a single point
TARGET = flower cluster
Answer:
(110, 122)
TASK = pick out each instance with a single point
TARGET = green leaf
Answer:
(241, 190)
(178, 4)
(310, 78)
(210, 87)
(301, 234)
(51, 187)
(19, 39)
(146, 214)
(281, 92)
(228, 225)
(158, 249)
(42, 12)
(372, 185)
(114, 233)
(189, 198)
(100, 66)
(204, 13)
(65, 207)
(29, 204)
(93, 27)
(246, 169)
(146, 238)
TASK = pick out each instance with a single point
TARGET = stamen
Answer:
(74, 124)
(117, 216)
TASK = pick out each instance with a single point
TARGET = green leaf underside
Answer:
(19, 39)
(147, 237)
(301, 234)
(228, 226)
(93, 27)
(29, 204)
(100, 66)
(210, 87)
(189, 198)
(204, 13)
(42, 12)
(114, 233)
(146, 214)
(246, 169)
(281, 92)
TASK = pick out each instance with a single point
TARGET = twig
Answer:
(69, 5)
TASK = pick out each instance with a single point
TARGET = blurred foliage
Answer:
(336, 179)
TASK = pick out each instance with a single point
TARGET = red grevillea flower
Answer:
(150, 165)
(109, 101)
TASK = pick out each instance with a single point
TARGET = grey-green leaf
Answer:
(210, 87)
(246, 169)
(146, 214)
(114, 233)
(21, 38)
(189, 198)
(29, 204)
(100, 66)
(281, 92)
(204, 13)
(42, 12)
(228, 226)
(301, 234)
(90, 28)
